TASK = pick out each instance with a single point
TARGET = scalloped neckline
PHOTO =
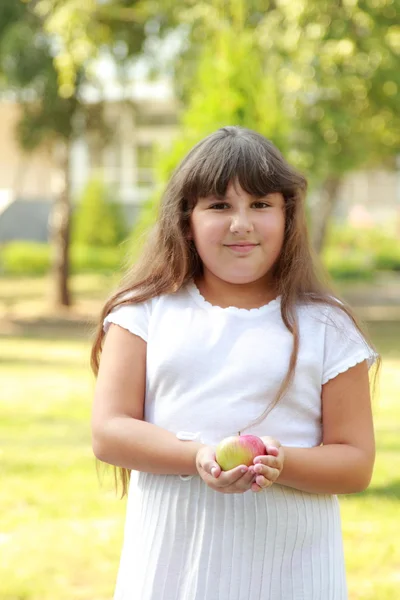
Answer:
(242, 312)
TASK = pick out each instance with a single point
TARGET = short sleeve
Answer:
(345, 346)
(133, 317)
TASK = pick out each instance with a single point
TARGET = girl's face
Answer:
(238, 237)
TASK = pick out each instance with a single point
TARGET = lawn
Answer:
(61, 530)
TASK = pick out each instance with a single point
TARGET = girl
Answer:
(224, 327)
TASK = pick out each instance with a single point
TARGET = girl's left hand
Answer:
(267, 468)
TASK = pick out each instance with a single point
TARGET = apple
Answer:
(238, 450)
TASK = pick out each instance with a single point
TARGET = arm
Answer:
(119, 435)
(344, 463)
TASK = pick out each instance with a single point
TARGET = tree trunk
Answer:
(60, 231)
(324, 210)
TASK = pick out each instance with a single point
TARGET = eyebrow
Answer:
(210, 197)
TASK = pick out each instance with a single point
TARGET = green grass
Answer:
(61, 531)
(371, 524)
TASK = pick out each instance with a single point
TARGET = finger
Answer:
(270, 442)
(261, 486)
(215, 471)
(245, 481)
(229, 477)
(263, 482)
(271, 461)
(212, 468)
(272, 450)
(267, 472)
(209, 463)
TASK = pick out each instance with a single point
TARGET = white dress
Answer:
(210, 372)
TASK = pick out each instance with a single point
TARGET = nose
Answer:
(241, 222)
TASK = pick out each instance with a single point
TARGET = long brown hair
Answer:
(169, 259)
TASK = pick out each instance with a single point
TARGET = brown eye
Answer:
(218, 205)
(261, 204)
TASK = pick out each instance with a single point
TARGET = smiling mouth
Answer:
(242, 248)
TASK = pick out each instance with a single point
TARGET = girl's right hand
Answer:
(235, 481)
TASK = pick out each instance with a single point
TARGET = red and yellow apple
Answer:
(238, 450)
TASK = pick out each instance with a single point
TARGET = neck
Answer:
(248, 295)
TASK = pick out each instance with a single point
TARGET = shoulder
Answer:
(323, 312)
(341, 342)
(330, 320)
(135, 315)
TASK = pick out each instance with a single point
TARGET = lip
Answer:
(241, 248)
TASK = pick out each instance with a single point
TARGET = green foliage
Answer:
(98, 220)
(370, 240)
(353, 265)
(353, 253)
(26, 64)
(321, 79)
(88, 259)
(330, 68)
(25, 258)
(29, 258)
(317, 79)
(84, 28)
(339, 73)
(388, 256)
(231, 87)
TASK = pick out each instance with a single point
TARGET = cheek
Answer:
(274, 227)
(207, 232)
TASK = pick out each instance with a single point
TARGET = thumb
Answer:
(208, 462)
(213, 468)
(272, 450)
(271, 445)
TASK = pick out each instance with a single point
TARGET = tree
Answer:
(27, 68)
(339, 75)
(333, 66)
(231, 86)
(118, 28)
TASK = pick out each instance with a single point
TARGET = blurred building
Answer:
(369, 198)
(127, 162)
(140, 127)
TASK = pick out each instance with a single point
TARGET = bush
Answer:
(353, 253)
(348, 265)
(388, 256)
(95, 260)
(98, 221)
(29, 258)
(347, 238)
(25, 258)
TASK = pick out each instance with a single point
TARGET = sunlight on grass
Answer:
(15, 289)
(61, 532)
(371, 525)
(57, 524)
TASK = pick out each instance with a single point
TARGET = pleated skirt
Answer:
(183, 541)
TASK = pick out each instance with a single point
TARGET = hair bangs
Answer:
(236, 159)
